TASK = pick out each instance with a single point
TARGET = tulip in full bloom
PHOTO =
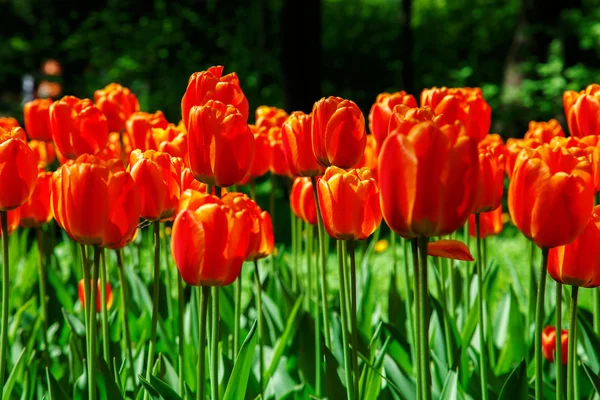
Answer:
(490, 223)
(220, 144)
(109, 295)
(37, 211)
(78, 127)
(549, 343)
(338, 132)
(302, 200)
(551, 195)
(209, 242)
(139, 129)
(37, 119)
(381, 112)
(583, 111)
(297, 145)
(18, 169)
(349, 203)
(117, 103)
(270, 117)
(491, 173)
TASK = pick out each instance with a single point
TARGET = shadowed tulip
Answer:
(278, 164)
(36, 114)
(37, 211)
(302, 201)
(44, 152)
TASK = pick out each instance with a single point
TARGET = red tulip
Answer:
(7, 123)
(381, 112)
(297, 145)
(37, 211)
(403, 119)
(13, 219)
(262, 154)
(44, 152)
(171, 140)
(278, 164)
(117, 103)
(18, 169)
(37, 119)
(490, 223)
(513, 148)
(491, 173)
(583, 111)
(109, 295)
(369, 159)
(270, 117)
(549, 343)
(302, 200)
(139, 129)
(544, 132)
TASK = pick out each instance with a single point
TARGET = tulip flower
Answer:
(116, 147)
(297, 145)
(37, 211)
(18, 172)
(403, 119)
(78, 127)
(451, 249)
(158, 178)
(302, 201)
(338, 132)
(209, 242)
(109, 295)
(582, 111)
(262, 154)
(544, 132)
(212, 85)
(549, 343)
(550, 184)
(269, 117)
(171, 140)
(139, 129)
(349, 203)
(44, 152)
(37, 119)
(7, 123)
(13, 219)
(117, 103)
(381, 112)
(96, 202)
(491, 173)
(490, 223)
(220, 144)
(513, 148)
(278, 164)
(369, 159)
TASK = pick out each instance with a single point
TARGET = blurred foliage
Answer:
(153, 47)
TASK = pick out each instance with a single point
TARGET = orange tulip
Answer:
(220, 144)
(270, 117)
(513, 148)
(278, 164)
(578, 263)
(583, 111)
(44, 152)
(139, 129)
(466, 105)
(338, 132)
(381, 112)
(261, 241)
(302, 201)
(369, 159)
(491, 173)
(78, 127)
(551, 195)
(418, 176)
(115, 148)
(544, 131)
(189, 182)
(36, 211)
(171, 140)
(109, 295)
(490, 223)
(18, 169)
(591, 147)
(96, 202)
(117, 103)
(349, 203)
(37, 119)
(549, 343)
(209, 242)
(7, 123)
(262, 154)
(403, 119)
(297, 145)
(451, 249)
(211, 85)
(158, 178)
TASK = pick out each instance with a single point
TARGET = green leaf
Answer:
(450, 388)
(236, 388)
(55, 391)
(594, 379)
(515, 386)
(106, 382)
(591, 343)
(149, 388)
(164, 389)
(12, 378)
(373, 385)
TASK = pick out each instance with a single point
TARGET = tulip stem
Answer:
(539, 322)
(417, 317)
(394, 255)
(93, 323)
(467, 288)
(572, 345)
(86, 309)
(214, 343)
(203, 295)
(181, 344)
(408, 301)
(309, 305)
(259, 316)
(353, 312)
(596, 307)
(344, 317)
(442, 295)
(294, 222)
(424, 320)
(104, 299)
(558, 352)
(155, 302)
(43, 286)
(532, 290)
(124, 314)
(480, 301)
(237, 305)
(5, 286)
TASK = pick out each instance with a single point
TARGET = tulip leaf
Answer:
(591, 342)
(12, 378)
(594, 379)
(450, 388)
(372, 388)
(333, 383)
(236, 388)
(149, 388)
(400, 382)
(515, 386)
(55, 391)
(164, 389)
(105, 380)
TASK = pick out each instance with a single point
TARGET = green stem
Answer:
(5, 287)
(443, 299)
(452, 279)
(572, 345)
(155, 303)
(344, 314)
(237, 306)
(214, 343)
(309, 305)
(168, 275)
(294, 222)
(353, 312)
(424, 320)
(125, 316)
(532, 290)
(558, 352)
(467, 288)
(203, 294)
(259, 314)
(408, 301)
(480, 301)
(596, 302)
(87, 311)
(309, 267)
(43, 286)
(318, 344)
(417, 317)
(539, 322)
(93, 323)
(104, 299)
(323, 267)
(181, 344)
(394, 254)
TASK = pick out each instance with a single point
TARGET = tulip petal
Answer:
(452, 249)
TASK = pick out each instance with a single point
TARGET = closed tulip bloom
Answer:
(220, 144)
(491, 173)
(513, 148)
(262, 154)
(403, 119)
(349, 203)
(549, 344)
(278, 164)
(551, 195)
(490, 223)
(117, 103)
(591, 147)
(209, 242)
(419, 174)
(212, 85)
(381, 112)
(37, 211)
(270, 117)
(18, 169)
(544, 131)
(158, 178)
(109, 295)
(7, 123)
(78, 127)
(139, 129)
(96, 202)
(338, 132)
(578, 263)
(37, 119)
(302, 200)
(297, 145)
(369, 159)
(582, 111)
(261, 241)
(44, 152)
